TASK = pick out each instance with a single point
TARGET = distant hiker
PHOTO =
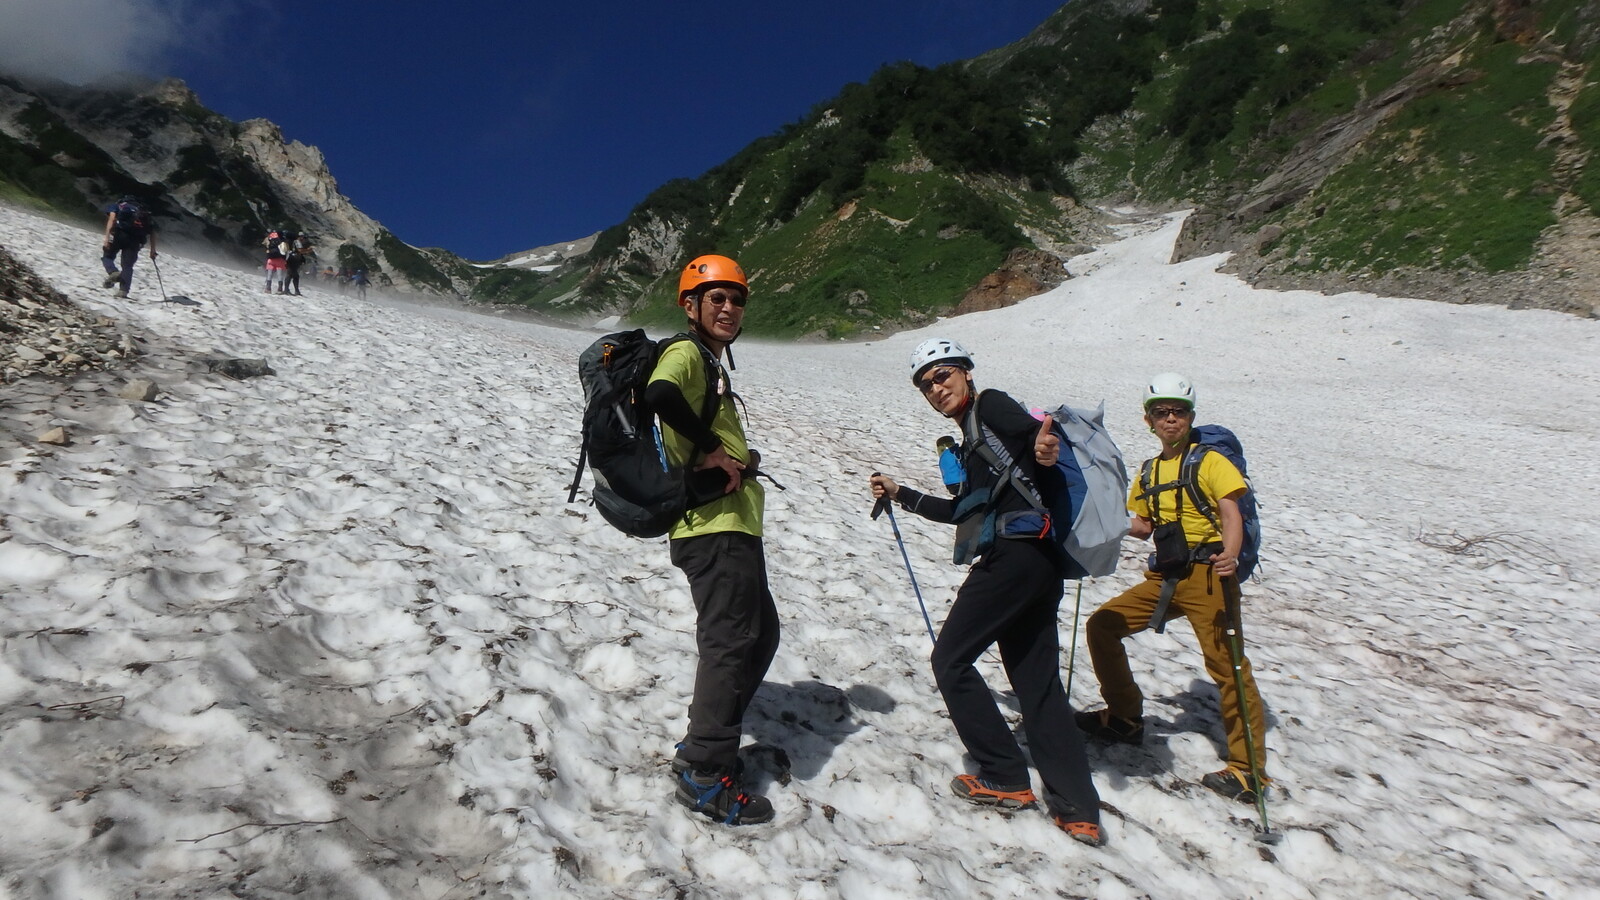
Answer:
(718, 545)
(1194, 566)
(359, 279)
(277, 247)
(950, 464)
(128, 227)
(299, 250)
(1010, 597)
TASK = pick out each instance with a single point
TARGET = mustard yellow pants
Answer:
(1199, 599)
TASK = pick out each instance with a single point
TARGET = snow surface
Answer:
(336, 632)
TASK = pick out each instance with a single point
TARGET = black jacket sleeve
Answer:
(934, 509)
(674, 410)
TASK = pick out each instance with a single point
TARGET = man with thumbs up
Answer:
(1010, 598)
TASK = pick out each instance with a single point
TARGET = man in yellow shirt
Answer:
(718, 544)
(1194, 558)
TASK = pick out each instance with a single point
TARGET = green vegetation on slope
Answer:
(1477, 182)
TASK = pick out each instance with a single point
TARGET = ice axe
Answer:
(885, 505)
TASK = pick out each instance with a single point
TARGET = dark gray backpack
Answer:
(634, 487)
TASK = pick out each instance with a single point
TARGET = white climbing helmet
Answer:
(1169, 386)
(936, 351)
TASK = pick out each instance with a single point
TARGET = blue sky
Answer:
(492, 127)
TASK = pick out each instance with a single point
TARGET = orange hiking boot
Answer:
(1082, 832)
(973, 789)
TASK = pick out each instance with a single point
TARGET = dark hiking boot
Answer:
(1233, 784)
(973, 789)
(681, 765)
(1082, 832)
(111, 279)
(1101, 725)
(719, 796)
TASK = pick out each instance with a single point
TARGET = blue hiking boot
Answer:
(720, 796)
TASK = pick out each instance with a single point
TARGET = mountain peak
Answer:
(173, 92)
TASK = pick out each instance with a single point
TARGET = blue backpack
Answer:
(1087, 505)
(133, 220)
(1216, 438)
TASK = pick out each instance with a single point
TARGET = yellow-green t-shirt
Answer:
(683, 366)
(1216, 479)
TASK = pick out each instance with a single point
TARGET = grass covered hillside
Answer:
(1348, 138)
(1431, 144)
(889, 201)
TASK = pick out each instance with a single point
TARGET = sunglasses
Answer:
(939, 376)
(1161, 412)
(734, 297)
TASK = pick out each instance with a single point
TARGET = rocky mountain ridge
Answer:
(209, 180)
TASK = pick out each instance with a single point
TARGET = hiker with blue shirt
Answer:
(128, 226)
(1192, 572)
(717, 545)
(1010, 597)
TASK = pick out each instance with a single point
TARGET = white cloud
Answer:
(80, 41)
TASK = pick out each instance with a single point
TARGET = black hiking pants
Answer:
(1011, 598)
(737, 634)
(291, 281)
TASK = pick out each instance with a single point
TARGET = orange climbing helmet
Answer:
(710, 269)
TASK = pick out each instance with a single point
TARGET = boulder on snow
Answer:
(239, 369)
(139, 389)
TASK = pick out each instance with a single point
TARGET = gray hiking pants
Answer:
(737, 634)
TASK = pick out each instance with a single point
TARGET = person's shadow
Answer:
(798, 726)
(1197, 712)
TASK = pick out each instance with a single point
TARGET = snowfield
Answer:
(336, 633)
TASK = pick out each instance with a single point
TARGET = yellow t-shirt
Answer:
(742, 511)
(1216, 479)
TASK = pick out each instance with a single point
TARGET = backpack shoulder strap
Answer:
(1149, 491)
(1147, 479)
(1189, 478)
(989, 448)
(713, 373)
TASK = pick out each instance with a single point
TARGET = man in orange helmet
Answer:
(717, 545)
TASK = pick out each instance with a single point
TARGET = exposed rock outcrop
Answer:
(1025, 273)
(44, 333)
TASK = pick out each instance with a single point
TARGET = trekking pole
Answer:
(1072, 649)
(883, 505)
(162, 284)
(1230, 597)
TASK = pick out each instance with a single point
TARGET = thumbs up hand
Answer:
(1046, 446)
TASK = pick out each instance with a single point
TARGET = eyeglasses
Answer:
(718, 299)
(1161, 412)
(939, 376)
